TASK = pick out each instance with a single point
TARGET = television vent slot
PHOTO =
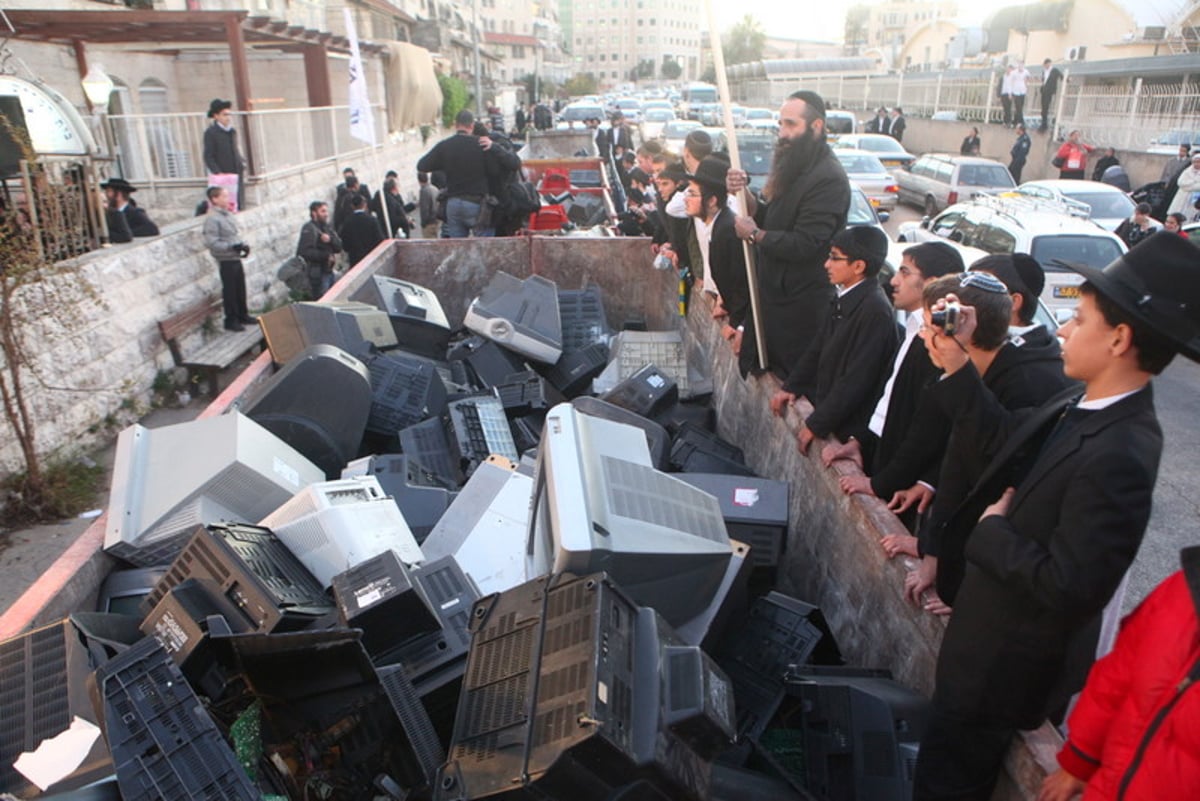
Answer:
(568, 634)
(495, 706)
(683, 676)
(642, 493)
(557, 724)
(563, 682)
(503, 658)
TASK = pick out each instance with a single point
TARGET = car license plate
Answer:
(1066, 292)
(874, 201)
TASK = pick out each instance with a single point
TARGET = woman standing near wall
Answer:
(1071, 158)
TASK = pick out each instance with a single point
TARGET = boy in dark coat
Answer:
(1048, 553)
(846, 364)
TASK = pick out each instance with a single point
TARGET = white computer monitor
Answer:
(600, 505)
(169, 480)
(332, 526)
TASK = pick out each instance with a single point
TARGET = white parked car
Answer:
(1019, 224)
(1108, 205)
(653, 122)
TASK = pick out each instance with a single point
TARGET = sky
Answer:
(803, 20)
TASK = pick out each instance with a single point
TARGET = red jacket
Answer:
(1135, 733)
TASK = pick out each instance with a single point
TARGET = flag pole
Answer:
(735, 162)
(362, 120)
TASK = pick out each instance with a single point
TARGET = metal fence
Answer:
(1134, 114)
(169, 148)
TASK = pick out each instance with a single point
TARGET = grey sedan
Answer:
(868, 173)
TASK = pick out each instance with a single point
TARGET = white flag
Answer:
(362, 122)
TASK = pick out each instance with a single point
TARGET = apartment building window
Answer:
(518, 51)
(614, 58)
(602, 57)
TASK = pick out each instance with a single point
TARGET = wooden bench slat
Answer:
(214, 355)
(224, 350)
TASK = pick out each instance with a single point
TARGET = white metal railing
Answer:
(166, 148)
(1128, 115)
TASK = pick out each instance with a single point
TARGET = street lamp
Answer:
(97, 86)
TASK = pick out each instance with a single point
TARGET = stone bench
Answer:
(217, 353)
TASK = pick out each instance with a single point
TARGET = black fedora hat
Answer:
(217, 106)
(120, 184)
(711, 172)
(1157, 283)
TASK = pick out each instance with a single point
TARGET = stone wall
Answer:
(95, 363)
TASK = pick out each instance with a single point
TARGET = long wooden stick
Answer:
(735, 162)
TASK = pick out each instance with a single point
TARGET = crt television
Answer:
(600, 505)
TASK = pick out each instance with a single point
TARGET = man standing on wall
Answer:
(803, 205)
(221, 154)
(1051, 78)
(223, 241)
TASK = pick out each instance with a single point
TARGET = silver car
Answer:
(938, 180)
(867, 172)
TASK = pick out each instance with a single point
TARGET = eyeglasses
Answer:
(696, 195)
(835, 257)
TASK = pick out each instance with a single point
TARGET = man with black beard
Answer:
(803, 204)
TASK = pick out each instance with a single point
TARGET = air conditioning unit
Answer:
(1076, 53)
(1154, 32)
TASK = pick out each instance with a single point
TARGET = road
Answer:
(1175, 518)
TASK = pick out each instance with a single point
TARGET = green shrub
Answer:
(454, 97)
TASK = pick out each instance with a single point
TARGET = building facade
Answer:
(619, 41)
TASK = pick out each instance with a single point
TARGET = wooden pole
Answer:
(735, 162)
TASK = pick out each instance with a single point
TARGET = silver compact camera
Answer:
(947, 318)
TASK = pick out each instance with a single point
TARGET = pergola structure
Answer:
(171, 31)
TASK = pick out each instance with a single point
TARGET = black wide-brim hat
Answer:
(1157, 283)
(217, 106)
(711, 172)
(120, 184)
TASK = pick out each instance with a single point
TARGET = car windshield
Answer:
(757, 152)
(628, 104)
(879, 144)
(985, 175)
(659, 115)
(679, 128)
(1094, 251)
(860, 163)
(860, 212)
(581, 113)
(839, 125)
(1105, 204)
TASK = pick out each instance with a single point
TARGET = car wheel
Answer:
(930, 205)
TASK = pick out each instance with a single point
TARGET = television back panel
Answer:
(859, 734)
(481, 429)
(428, 447)
(234, 470)
(416, 314)
(695, 450)
(42, 688)
(255, 571)
(647, 392)
(404, 391)
(527, 393)
(184, 619)
(489, 363)
(584, 321)
(519, 314)
(487, 526)
(318, 403)
(656, 437)
(163, 742)
(421, 496)
(436, 659)
(380, 597)
(332, 526)
(633, 350)
(558, 650)
(755, 511)
(573, 373)
(344, 324)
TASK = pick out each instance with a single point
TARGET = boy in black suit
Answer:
(1050, 550)
(847, 362)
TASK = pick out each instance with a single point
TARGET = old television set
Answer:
(521, 315)
(598, 502)
(416, 313)
(169, 480)
(348, 325)
(333, 526)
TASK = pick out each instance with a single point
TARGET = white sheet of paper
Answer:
(55, 758)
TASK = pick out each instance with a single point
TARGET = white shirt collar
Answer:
(1104, 403)
(842, 290)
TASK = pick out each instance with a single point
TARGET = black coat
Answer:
(139, 221)
(727, 260)
(1021, 376)
(794, 290)
(360, 233)
(221, 151)
(914, 432)
(844, 368)
(896, 128)
(1026, 620)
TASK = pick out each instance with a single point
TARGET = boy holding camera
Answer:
(223, 241)
(1053, 545)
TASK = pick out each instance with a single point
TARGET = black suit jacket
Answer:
(1026, 619)
(896, 128)
(139, 221)
(727, 260)
(360, 234)
(842, 372)
(914, 432)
